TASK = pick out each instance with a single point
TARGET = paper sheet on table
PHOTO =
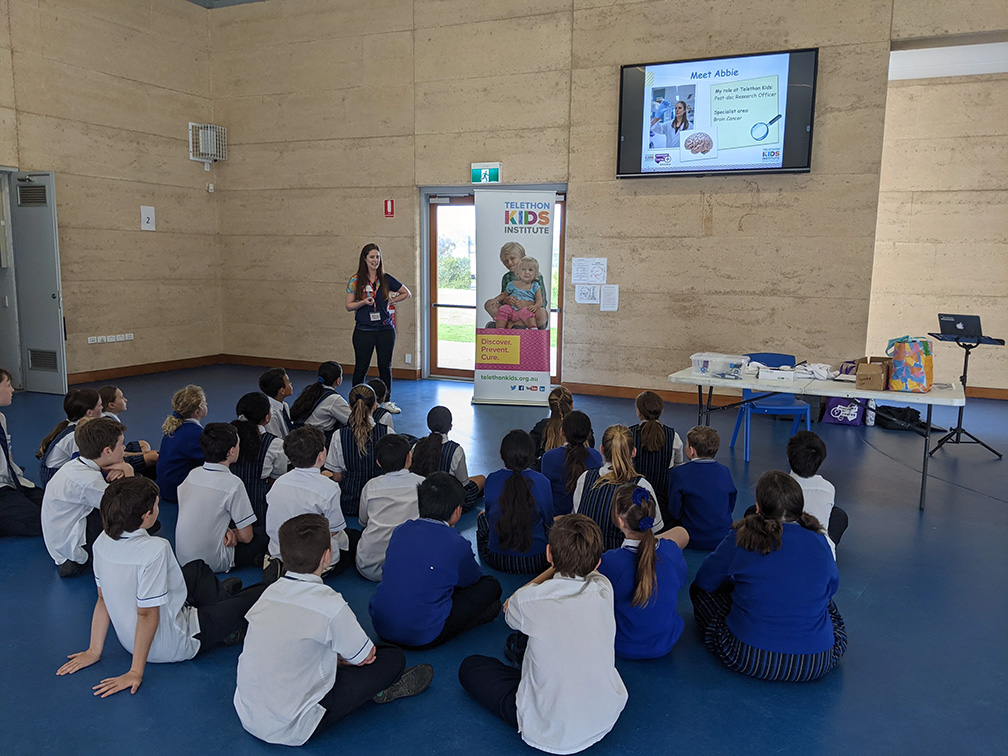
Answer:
(610, 298)
(587, 294)
(589, 270)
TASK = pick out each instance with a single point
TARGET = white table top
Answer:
(948, 397)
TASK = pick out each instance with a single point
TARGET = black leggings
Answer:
(365, 343)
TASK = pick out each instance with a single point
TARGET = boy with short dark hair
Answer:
(307, 662)
(277, 387)
(386, 502)
(305, 490)
(214, 512)
(161, 612)
(20, 499)
(701, 493)
(806, 452)
(567, 694)
(71, 520)
(432, 589)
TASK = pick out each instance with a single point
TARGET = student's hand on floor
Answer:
(230, 538)
(111, 685)
(78, 661)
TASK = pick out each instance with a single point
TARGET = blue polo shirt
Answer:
(555, 470)
(425, 562)
(363, 315)
(646, 632)
(701, 496)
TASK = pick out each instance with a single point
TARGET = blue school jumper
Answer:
(650, 631)
(250, 473)
(654, 465)
(596, 502)
(701, 497)
(487, 540)
(45, 472)
(360, 468)
(554, 468)
(179, 454)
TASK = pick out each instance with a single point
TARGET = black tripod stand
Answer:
(955, 435)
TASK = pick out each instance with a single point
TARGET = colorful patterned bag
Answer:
(913, 366)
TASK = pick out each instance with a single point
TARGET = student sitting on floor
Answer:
(59, 446)
(351, 457)
(806, 452)
(511, 531)
(20, 499)
(567, 694)
(214, 513)
(432, 589)
(161, 612)
(595, 488)
(646, 573)
(306, 490)
(565, 464)
(275, 384)
(261, 458)
(436, 452)
(320, 405)
(307, 662)
(386, 502)
(701, 493)
(381, 414)
(763, 599)
(138, 453)
(70, 518)
(658, 446)
(180, 449)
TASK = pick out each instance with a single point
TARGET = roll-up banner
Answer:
(514, 256)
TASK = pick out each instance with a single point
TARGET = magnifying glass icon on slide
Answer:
(759, 131)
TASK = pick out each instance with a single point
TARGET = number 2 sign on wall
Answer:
(146, 217)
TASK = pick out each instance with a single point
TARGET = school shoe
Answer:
(70, 569)
(514, 648)
(414, 680)
(235, 637)
(273, 570)
(231, 586)
(392, 407)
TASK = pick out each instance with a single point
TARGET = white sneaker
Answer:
(392, 407)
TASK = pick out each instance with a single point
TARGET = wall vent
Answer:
(207, 143)
(42, 359)
(33, 195)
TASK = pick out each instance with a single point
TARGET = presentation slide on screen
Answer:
(715, 114)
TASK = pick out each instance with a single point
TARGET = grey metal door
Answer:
(36, 267)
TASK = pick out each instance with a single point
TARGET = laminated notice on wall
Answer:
(589, 270)
(585, 294)
(610, 298)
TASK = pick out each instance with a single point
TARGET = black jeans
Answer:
(365, 343)
(220, 613)
(355, 686)
(473, 605)
(493, 684)
(251, 554)
(20, 511)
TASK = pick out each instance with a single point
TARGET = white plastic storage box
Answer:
(712, 363)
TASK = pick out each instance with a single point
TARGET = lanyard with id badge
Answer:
(375, 316)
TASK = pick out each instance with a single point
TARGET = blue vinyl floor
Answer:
(924, 597)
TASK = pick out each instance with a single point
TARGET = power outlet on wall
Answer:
(92, 339)
(409, 359)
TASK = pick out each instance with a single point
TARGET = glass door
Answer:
(453, 312)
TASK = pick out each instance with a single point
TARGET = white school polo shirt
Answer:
(73, 492)
(8, 467)
(331, 410)
(139, 570)
(296, 630)
(643, 483)
(820, 496)
(277, 425)
(208, 499)
(62, 451)
(275, 463)
(570, 694)
(386, 503)
(457, 466)
(305, 490)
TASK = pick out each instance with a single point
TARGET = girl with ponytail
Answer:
(659, 447)
(180, 449)
(764, 597)
(319, 404)
(261, 458)
(565, 464)
(511, 532)
(59, 447)
(351, 457)
(594, 491)
(646, 573)
(438, 453)
(548, 432)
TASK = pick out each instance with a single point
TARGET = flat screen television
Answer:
(745, 114)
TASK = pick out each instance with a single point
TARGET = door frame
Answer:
(428, 272)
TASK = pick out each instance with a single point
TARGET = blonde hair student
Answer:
(180, 449)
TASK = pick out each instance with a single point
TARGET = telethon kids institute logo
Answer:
(527, 217)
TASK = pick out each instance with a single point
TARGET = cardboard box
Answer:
(873, 373)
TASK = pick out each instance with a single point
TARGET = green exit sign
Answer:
(486, 173)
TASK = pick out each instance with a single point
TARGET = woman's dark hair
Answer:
(329, 373)
(650, 407)
(779, 499)
(76, 404)
(576, 429)
(364, 276)
(517, 505)
(685, 120)
(251, 410)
